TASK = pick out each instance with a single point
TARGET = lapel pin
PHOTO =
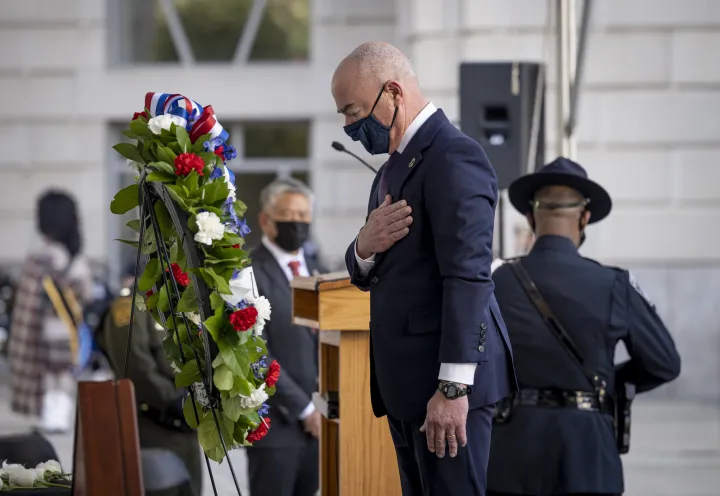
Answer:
(412, 162)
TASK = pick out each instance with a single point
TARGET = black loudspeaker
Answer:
(502, 107)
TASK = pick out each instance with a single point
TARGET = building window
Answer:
(266, 151)
(218, 31)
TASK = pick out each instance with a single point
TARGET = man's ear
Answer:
(586, 217)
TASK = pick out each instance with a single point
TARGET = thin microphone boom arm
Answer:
(339, 147)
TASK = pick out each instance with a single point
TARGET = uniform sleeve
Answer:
(654, 360)
(151, 383)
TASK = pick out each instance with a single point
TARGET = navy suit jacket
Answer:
(431, 294)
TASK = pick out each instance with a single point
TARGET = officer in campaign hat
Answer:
(564, 431)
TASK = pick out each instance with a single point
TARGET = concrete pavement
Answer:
(675, 450)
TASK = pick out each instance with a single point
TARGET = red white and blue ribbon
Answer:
(202, 119)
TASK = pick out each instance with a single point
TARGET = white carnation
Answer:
(209, 228)
(51, 466)
(258, 329)
(256, 398)
(201, 394)
(22, 477)
(175, 367)
(40, 472)
(1, 484)
(262, 305)
(160, 122)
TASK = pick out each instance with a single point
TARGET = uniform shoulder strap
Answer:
(553, 324)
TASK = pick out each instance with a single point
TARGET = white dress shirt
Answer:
(284, 259)
(462, 373)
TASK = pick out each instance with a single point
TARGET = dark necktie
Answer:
(294, 267)
(385, 177)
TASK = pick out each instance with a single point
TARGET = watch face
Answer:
(451, 391)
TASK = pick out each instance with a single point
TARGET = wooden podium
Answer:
(357, 457)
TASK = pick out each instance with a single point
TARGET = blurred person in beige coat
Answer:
(40, 349)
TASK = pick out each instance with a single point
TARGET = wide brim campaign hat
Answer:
(561, 172)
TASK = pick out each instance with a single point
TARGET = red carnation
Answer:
(259, 433)
(137, 115)
(180, 277)
(236, 246)
(185, 163)
(244, 319)
(149, 294)
(220, 152)
(273, 374)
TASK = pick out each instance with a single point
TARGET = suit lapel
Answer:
(412, 156)
(275, 274)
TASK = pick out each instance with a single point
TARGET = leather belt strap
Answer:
(556, 398)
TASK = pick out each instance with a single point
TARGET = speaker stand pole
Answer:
(564, 23)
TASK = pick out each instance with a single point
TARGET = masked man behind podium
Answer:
(440, 356)
(285, 462)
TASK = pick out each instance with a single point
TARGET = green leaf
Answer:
(270, 390)
(161, 177)
(165, 155)
(223, 378)
(188, 301)
(129, 151)
(150, 275)
(190, 182)
(209, 435)
(218, 281)
(183, 139)
(163, 300)
(152, 301)
(174, 253)
(140, 128)
(231, 407)
(134, 225)
(189, 374)
(163, 166)
(125, 200)
(189, 412)
(130, 242)
(175, 148)
(226, 253)
(147, 151)
(209, 158)
(164, 221)
(240, 208)
(241, 386)
(234, 239)
(130, 134)
(214, 193)
(218, 321)
(200, 143)
(140, 303)
(178, 195)
(237, 359)
(149, 245)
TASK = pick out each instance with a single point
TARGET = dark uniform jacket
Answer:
(153, 380)
(557, 451)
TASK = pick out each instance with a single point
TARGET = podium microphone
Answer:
(339, 147)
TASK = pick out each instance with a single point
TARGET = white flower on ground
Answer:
(40, 472)
(1, 484)
(22, 477)
(256, 398)
(243, 287)
(160, 122)
(51, 466)
(194, 318)
(230, 185)
(209, 228)
(8, 468)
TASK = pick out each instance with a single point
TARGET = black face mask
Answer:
(291, 235)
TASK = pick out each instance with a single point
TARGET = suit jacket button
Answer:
(483, 326)
(375, 280)
(481, 348)
(483, 333)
